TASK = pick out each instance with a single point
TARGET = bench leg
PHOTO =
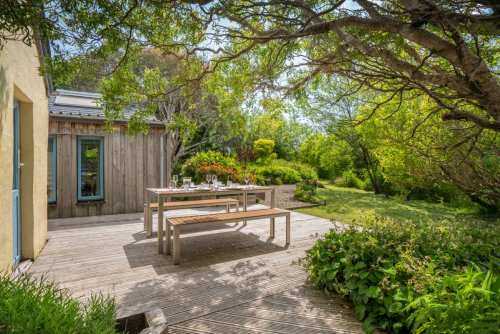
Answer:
(287, 229)
(145, 219)
(176, 245)
(227, 208)
(271, 230)
(169, 237)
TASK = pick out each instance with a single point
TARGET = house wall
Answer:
(20, 80)
(130, 165)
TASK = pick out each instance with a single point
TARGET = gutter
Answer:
(93, 119)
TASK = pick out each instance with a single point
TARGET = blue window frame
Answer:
(90, 168)
(52, 170)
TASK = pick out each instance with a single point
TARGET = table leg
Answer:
(160, 224)
(147, 215)
(288, 228)
(272, 206)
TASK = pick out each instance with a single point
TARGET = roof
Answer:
(83, 105)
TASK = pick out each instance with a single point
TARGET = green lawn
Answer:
(346, 204)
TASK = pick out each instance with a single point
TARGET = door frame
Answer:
(16, 187)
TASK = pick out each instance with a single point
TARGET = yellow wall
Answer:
(19, 80)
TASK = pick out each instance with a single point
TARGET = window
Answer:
(51, 170)
(90, 168)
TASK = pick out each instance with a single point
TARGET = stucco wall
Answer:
(19, 80)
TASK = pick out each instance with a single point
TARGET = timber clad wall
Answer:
(130, 165)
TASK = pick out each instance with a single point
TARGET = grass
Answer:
(346, 205)
(35, 305)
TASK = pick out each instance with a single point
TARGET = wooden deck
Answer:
(232, 279)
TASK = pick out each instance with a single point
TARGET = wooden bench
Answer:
(174, 224)
(186, 205)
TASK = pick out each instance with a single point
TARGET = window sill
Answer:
(91, 202)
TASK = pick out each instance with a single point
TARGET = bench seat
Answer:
(174, 224)
(190, 204)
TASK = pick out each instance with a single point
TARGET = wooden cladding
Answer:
(131, 164)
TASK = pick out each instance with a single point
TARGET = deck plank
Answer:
(233, 279)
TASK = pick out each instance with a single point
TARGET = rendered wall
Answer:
(20, 80)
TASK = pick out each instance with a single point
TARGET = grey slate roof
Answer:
(81, 111)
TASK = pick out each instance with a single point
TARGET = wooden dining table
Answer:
(162, 195)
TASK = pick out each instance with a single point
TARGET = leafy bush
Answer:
(263, 150)
(306, 190)
(271, 174)
(349, 179)
(306, 172)
(32, 305)
(468, 302)
(387, 265)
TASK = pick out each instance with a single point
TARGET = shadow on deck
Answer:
(232, 279)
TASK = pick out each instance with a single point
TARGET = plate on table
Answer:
(202, 188)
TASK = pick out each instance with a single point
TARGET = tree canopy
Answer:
(447, 50)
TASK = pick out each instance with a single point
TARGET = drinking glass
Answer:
(229, 181)
(246, 179)
(186, 181)
(175, 179)
(208, 177)
(214, 178)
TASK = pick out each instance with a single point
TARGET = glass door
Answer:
(16, 183)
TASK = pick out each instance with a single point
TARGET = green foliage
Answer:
(467, 302)
(263, 150)
(330, 156)
(385, 266)
(34, 305)
(306, 171)
(272, 174)
(349, 179)
(306, 190)
(283, 172)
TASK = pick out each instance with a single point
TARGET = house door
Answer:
(16, 182)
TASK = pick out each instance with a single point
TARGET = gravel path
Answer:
(284, 198)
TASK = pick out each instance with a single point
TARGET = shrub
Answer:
(386, 265)
(467, 302)
(349, 179)
(32, 305)
(271, 174)
(263, 150)
(306, 172)
(306, 190)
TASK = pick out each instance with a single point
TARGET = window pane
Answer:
(51, 169)
(90, 168)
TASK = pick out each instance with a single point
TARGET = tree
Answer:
(147, 84)
(447, 50)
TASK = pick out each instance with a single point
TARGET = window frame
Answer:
(81, 198)
(53, 199)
